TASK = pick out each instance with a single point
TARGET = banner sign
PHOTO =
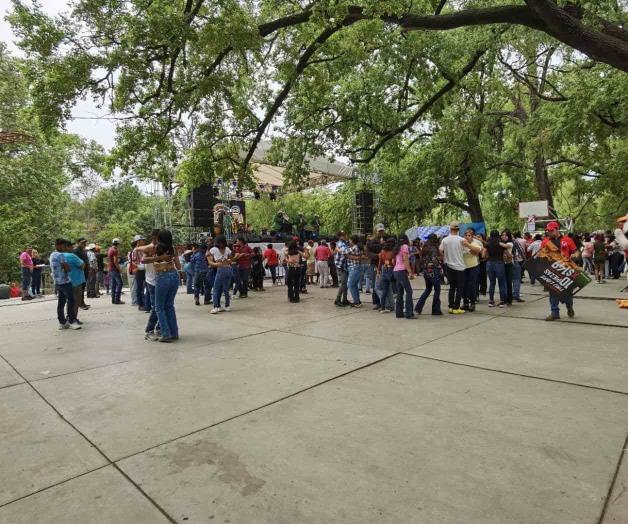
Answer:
(557, 275)
(531, 224)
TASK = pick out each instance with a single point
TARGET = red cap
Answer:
(552, 226)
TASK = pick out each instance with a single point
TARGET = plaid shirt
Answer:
(355, 251)
(340, 257)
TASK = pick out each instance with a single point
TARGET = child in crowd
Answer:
(106, 280)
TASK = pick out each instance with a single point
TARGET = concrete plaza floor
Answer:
(281, 413)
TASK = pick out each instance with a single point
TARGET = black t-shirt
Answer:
(100, 261)
(373, 249)
(83, 256)
(495, 252)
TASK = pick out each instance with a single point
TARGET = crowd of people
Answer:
(380, 265)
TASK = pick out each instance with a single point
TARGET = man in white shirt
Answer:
(452, 248)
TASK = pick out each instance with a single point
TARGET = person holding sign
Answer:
(567, 248)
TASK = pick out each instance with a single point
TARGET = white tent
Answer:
(322, 171)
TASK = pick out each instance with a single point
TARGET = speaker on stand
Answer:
(363, 213)
(201, 212)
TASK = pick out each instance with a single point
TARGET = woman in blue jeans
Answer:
(355, 267)
(167, 265)
(496, 269)
(402, 274)
(146, 252)
(429, 264)
(385, 265)
(220, 259)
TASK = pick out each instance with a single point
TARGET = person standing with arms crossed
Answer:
(114, 271)
(26, 264)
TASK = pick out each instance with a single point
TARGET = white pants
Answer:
(322, 268)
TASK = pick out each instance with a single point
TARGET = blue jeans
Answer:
(369, 276)
(353, 283)
(36, 282)
(403, 286)
(222, 283)
(140, 282)
(150, 304)
(432, 281)
(189, 282)
(555, 304)
(167, 284)
(116, 285)
(201, 282)
(471, 285)
(65, 295)
(243, 278)
(386, 296)
(517, 271)
(26, 278)
(496, 271)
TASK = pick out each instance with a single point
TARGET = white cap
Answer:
(116, 241)
(138, 237)
(380, 227)
(91, 246)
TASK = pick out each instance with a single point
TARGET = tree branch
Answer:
(565, 27)
(455, 203)
(392, 133)
(283, 94)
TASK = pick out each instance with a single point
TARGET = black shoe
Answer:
(438, 314)
(519, 300)
(412, 317)
(570, 312)
(346, 303)
(339, 304)
(471, 308)
(207, 302)
(551, 318)
(84, 307)
(377, 308)
(197, 302)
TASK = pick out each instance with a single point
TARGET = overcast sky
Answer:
(100, 130)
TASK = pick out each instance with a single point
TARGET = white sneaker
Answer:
(227, 309)
(64, 326)
(214, 311)
(74, 326)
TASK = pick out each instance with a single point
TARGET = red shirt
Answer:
(567, 246)
(322, 253)
(272, 256)
(111, 254)
(244, 262)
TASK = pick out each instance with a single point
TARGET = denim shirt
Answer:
(199, 262)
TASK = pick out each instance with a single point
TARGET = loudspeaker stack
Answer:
(363, 218)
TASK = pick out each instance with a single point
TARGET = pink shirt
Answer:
(26, 260)
(399, 265)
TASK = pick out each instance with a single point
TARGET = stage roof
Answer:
(322, 171)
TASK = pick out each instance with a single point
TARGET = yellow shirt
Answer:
(471, 260)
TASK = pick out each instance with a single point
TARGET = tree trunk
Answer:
(544, 190)
(473, 199)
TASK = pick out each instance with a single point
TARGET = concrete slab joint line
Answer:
(610, 500)
(94, 446)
